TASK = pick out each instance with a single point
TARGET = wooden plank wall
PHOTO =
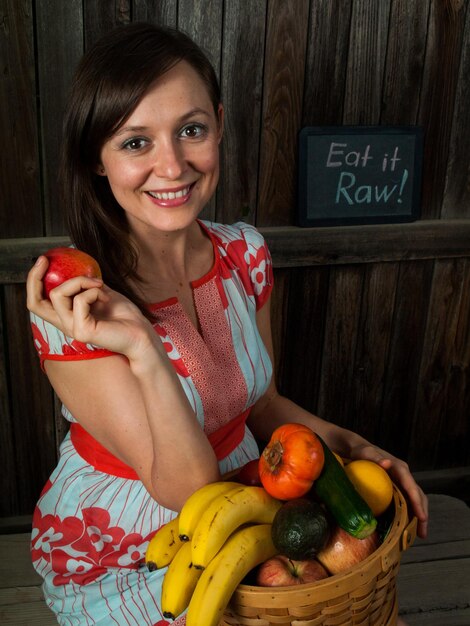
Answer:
(371, 324)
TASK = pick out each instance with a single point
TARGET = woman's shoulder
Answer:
(239, 231)
(243, 250)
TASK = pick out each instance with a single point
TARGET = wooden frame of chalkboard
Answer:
(359, 175)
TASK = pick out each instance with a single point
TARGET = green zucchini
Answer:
(340, 497)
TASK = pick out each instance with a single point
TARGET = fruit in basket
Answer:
(66, 263)
(241, 505)
(249, 474)
(291, 461)
(342, 551)
(344, 503)
(243, 551)
(300, 529)
(279, 571)
(373, 483)
(197, 503)
(163, 546)
(179, 582)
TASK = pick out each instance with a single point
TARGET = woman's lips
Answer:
(171, 198)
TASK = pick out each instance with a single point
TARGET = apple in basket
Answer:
(280, 571)
(65, 263)
(248, 474)
(342, 551)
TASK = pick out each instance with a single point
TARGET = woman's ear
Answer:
(220, 116)
(99, 169)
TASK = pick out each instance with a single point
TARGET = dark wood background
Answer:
(371, 323)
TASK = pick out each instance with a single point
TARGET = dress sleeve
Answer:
(51, 343)
(255, 264)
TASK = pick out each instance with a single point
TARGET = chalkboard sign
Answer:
(359, 175)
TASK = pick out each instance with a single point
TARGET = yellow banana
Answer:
(242, 505)
(197, 503)
(243, 551)
(163, 546)
(179, 583)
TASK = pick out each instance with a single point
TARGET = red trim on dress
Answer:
(227, 438)
(97, 455)
(78, 356)
(223, 441)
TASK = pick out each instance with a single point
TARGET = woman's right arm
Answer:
(132, 402)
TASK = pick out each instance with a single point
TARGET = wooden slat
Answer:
(243, 40)
(458, 617)
(372, 349)
(301, 360)
(301, 247)
(440, 74)
(404, 61)
(155, 11)
(62, 53)
(286, 40)
(366, 60)
(31, 407)
(404, 357)
(326, 62)
(16, 549)
(453, 440)
(25, 606)
(279, 319)
(101, 17)
(456, 201)
(341, 328)
(418, 582)
(453, 481)
(20, 208)
(8, 501)
(294, 247)
(431, 411)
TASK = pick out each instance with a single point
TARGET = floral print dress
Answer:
(94, 518)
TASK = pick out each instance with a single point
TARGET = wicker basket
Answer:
(365, 595)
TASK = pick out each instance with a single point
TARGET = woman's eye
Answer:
(193, 131)
(134, 144)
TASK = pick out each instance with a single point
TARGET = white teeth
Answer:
(171, 195)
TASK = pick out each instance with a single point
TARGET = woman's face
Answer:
(162, 164)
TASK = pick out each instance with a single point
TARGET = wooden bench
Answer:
(433, 582)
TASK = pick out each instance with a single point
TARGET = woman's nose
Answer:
(169, 160)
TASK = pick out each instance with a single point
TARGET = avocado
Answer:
(300, 529)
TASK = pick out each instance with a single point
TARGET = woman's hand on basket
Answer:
(401, 475)
(90, 312)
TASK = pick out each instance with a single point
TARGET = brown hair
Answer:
(111, 79)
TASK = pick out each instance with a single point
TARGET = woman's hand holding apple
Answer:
(84, 308)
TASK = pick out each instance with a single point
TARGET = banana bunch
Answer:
(241, 505)
(227, 528)
(245, 549)
(163, 546)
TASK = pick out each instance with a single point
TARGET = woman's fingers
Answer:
(416, 497)
(35, 301)
(401, 474)
(58, 308)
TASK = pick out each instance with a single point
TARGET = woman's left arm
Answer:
(273, 410)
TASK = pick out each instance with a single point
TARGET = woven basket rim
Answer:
(381, 560)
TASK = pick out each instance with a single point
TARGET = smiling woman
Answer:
(164, 367)
(162, 165)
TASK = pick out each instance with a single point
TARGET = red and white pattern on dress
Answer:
(91, 529)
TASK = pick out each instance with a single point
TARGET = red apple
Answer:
(249, 474)
(65, 263)
(342, 550)
(280, 571)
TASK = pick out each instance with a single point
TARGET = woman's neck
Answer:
(170, 261)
